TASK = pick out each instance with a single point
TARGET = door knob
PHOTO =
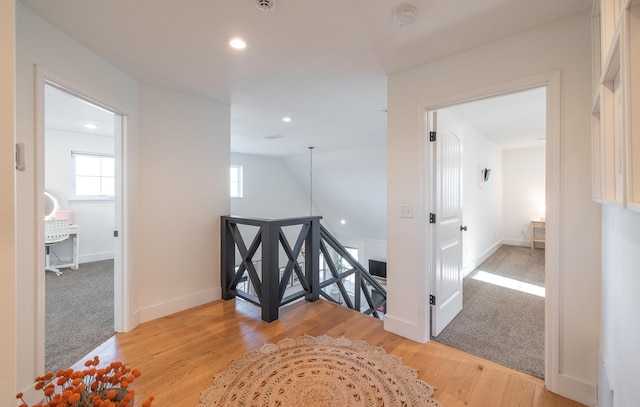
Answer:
(463, 228)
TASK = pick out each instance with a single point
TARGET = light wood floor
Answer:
(179, 354)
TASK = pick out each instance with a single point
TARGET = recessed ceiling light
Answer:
(286, 119)
(343, 221)
(238, 43)
(90, 126)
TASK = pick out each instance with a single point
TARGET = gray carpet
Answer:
(500, 324)
(78, 313)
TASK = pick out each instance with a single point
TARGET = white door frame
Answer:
(121, 289)
(551, 80)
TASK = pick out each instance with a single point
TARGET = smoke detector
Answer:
(404, 15)
(266, 5)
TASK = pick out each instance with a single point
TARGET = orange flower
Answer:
(91, 387)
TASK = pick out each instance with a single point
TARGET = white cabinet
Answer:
(615, 138)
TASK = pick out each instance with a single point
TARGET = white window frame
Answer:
(76, 197)
(238, 191)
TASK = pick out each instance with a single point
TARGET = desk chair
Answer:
(55, 231)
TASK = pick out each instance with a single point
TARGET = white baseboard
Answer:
(472, 266)
(88, 258)
(577, 390)
(405, 328)
(32, 396)
(517, 242)
(177, 304)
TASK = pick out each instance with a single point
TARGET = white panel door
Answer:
(447, 230)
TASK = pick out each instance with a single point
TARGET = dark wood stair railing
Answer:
(267, 287)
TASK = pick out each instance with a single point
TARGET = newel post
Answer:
(312, 259)
(227, 258)
(270, 299)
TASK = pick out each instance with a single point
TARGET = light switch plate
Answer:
(406, 211)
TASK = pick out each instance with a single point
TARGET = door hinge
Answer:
(115, 233)
(432, 300)
(432, 136)
(432, 218)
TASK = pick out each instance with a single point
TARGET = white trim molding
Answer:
(550, 80)
(577, 390)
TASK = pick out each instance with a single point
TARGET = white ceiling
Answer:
(66, 112)
(515, 120)
(323, 63)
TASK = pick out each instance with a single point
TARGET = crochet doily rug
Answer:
(318, 371)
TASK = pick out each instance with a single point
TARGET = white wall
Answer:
(39, 43)
(563, 45)
(183, 189)
(620, 328)
(349, 185)
(95, 218)
(271, 191)
(8, 334)
(177, 162)
(524, 192)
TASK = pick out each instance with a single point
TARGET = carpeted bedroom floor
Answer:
(501, 324)
(78, 313)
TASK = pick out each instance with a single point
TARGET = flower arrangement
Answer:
(92, 387)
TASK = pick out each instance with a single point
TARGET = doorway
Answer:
(82, 155)
(504, 189)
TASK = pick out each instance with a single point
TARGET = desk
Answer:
(75, 242)
(537, 224)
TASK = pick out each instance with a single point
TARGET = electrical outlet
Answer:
(406, 211)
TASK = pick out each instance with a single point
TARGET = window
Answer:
(236, 181)
(93, 175)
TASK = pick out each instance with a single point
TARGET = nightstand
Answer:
(535, 225)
